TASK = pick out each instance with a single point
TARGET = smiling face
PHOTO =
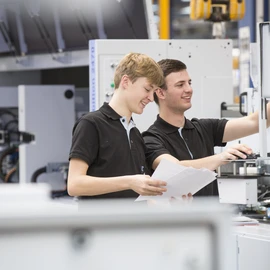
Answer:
(177, 96)
(139, 94)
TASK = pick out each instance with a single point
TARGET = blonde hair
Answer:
(137, 65)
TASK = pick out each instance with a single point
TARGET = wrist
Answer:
(129, 181)
(221, 159)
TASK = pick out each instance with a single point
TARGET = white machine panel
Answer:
(237, 191)
(46, 112)
(114, 235)
(209, 63)
(253, 247)
(253, 253)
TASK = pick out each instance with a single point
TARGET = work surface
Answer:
(259, 231)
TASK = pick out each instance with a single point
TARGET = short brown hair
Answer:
(137, 65)
(169, 66)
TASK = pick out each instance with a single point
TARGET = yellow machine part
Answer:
(237, 10)
(164, 15)
(200, 9)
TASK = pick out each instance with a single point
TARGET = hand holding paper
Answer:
(180, 180)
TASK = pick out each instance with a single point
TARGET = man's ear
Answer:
(160, 93)
(125, 81)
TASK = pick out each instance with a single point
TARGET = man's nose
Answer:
(188, 88)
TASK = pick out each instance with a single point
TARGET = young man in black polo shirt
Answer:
(191, 142)
(107, 156)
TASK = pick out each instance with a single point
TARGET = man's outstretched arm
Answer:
(243, 126)
(211, 162)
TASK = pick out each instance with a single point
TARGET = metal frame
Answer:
(263, 42)
(45, 61)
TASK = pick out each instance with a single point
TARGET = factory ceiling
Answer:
(37, 26)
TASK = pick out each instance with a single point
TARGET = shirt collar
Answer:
(107, 110)
(130, 125)
(168, 128)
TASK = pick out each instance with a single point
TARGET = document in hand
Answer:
(180, 180)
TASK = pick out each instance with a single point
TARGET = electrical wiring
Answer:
(6, 126)
(37, 173)
(9, 174)
(4, 154)
(8, 112)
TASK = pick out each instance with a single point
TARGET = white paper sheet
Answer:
(180, 180)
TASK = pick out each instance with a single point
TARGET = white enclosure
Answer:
(46, 112)
(113, 235)
(209, 63)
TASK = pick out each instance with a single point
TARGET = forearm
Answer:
(210, 163)
(84, 185)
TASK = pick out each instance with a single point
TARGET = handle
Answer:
(241, 103)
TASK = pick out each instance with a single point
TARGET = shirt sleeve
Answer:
(85, 142)
(155, 147)
(215, 128)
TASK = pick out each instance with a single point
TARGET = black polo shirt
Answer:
(100, 139)
(199, 137)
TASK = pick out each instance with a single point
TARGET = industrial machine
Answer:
(218, 12)
(49, 112)
(8, 125)
(247, 182)
(10, 136)
(42, 154)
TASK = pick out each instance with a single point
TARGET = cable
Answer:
(3, 111)
(262, 195)
(9, 123)
(59, 193)
(54, 193)
(10, 174)
(37, 173)
(6, 152)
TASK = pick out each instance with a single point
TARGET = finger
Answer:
(243, 148)
(156, 183)
(239, 154)
(184, 197)
(246, 149)
(156, 189)
(231, 156)
(151, 193)
(235, 154)
(246, 146)
(189, 195)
